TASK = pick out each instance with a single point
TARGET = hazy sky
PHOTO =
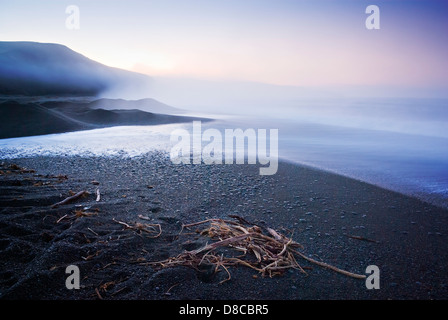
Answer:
(306, 43)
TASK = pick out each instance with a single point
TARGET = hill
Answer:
(31, 68)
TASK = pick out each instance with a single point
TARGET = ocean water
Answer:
(412, 164)
(397, 144)
(401, 145)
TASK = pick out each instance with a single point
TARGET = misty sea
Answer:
(401, 145)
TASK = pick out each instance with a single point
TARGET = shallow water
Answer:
(411, 164)
(126, 141)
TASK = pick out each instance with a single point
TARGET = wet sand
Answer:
(340, 221)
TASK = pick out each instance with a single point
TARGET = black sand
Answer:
(322, 211)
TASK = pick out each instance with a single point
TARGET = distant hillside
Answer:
(29, 119)
(148, 105)
(31, 68)
(19, 120)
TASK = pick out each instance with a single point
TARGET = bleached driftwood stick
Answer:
(70, 199)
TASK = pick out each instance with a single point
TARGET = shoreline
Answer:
(389, 179)
(329, 214)
(434, 199)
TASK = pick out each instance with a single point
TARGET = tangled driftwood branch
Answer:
(143, 227)
(269, 253)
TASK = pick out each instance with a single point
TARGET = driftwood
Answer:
(70, 199)
(143, 227)
(269, 253)
(78, 214)
(361, 238)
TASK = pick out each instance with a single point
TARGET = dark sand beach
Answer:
(340, 221)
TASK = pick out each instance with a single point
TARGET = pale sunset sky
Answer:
(285, 42)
